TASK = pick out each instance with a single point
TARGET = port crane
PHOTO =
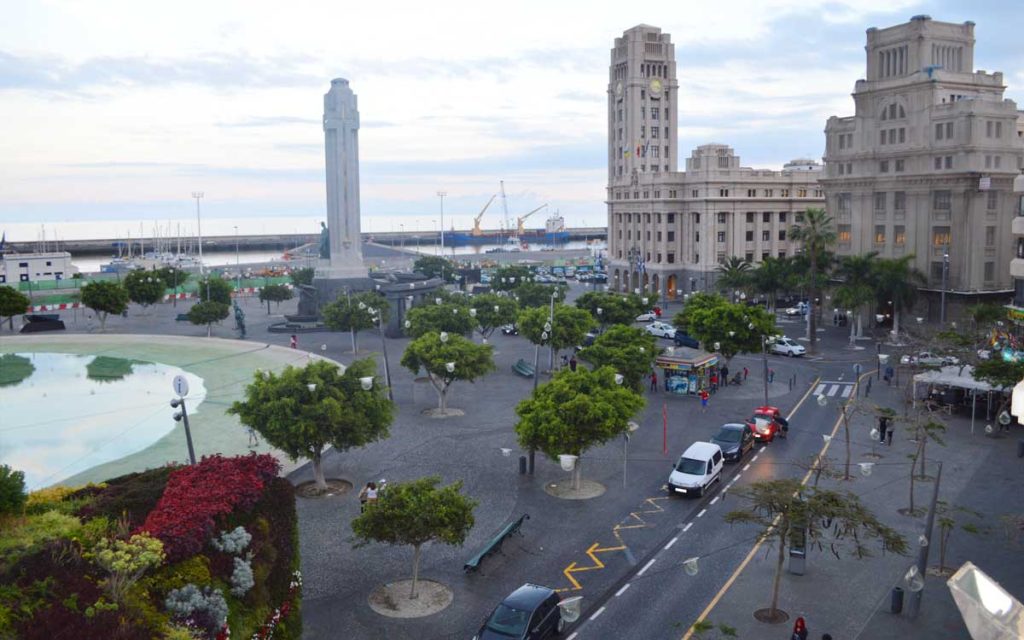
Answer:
(521, 219)
(477, 231)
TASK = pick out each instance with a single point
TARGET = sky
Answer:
(116, 110)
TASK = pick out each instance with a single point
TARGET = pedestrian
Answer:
(572, 363)
(654, 381)
(771, 376)
(888, 375)
(367, 494)
(883, 424)
(703, 400)
(714, 381)
(565, 361)
(889, 441)
(294, 342)
(253, 440)
(725, 376)
(799, 630)
(746, 372)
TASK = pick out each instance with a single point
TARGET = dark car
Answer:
(735, 440)
(510, 330)
(42, 322)
(683, 339)
(530, 612)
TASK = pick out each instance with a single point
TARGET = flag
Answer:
(664, 429)
(638, 150)
(626, 153)
(642, 266)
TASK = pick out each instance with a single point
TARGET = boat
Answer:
(554, 230)
(477, 236)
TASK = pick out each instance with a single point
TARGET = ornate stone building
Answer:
(925, 165)
(669, 230)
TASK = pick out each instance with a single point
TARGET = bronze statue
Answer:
(325, 242)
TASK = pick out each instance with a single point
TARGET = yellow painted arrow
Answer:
(591, 552)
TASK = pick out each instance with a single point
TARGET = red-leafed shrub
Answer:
(196, 496)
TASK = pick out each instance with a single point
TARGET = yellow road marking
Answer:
(572, 568)
(743, 565)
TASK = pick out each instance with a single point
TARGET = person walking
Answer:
(294, 342)
(714, 381)
(725, 376)
(883, 424)
(703, 400)
(799, 630)
(746, 372)
(253, 440)
(368, 494)
(654, 381)
(771, 376)
(572, 363)
(888, 375)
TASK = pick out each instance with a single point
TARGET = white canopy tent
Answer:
(955, 377)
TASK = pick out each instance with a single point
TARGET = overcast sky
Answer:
(115, 109)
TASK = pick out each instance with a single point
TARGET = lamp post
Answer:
(375, 313)
(945, 276)
(199, 228)
(630, 428)
(238, 269)
(441, 195)
(878, 356)
(180, 386)
(765, 341)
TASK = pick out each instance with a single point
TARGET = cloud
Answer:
(267, 121)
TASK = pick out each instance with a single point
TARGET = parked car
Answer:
(531, 612)
(600, 276)
(699, 466)
(788, 347)
(799, 310)
(735, 440)
(647, 316)
(766, 423)
(588, 340)
(683, 339)
(510, 330)
(661, 329)
(929, 359)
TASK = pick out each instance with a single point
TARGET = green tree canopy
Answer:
(14, 369)
(859, 284)
(734, 274)
(216, 289)
(510, 277)
(575, 411)
(303, 420)
(629, 351)
(274, 293)
(207, 313)
(451, 317)
(490, 311)
(144, 287)
(104, 297)
(355, 313)
(534, 294)
(435, 267)
(615, 308)
(12, 491)
(817, 234)
(773, 275)
(303, 276)
(12, 303)
(736, 328)
(439, 352)
(783, 509)
(415, 513)
(173, 277)
(568, 329)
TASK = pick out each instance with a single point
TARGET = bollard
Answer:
(896, 605)
(1020, 448)
(867, 389)
(522, 465)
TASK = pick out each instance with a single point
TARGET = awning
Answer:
(953, 376)
(684, 359)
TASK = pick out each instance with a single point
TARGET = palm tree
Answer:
(897, 281)
(817, 234)
(857, 274)
(734, 273)
(772, 276)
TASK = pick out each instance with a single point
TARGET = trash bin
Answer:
(797, 561)
(897, 600)
(522, 465)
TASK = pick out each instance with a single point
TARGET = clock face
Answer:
(655, 86)
(618, 89)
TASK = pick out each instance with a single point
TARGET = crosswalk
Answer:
(832, 389)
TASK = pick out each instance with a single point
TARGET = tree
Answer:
(789, 513)
(303, 276)
(216, 289)
(144, 287)
(304, 410)
(615, 308)
(734, 273)
(817, 235)
(568, 327)
(510, 277)
(12, 303)
(207, 313)
(12, 491)
(274, 293)
(415, 513)
(354, 313)
(629, 351)
(447, 358)
(949, 516)
(104, 297)
(435, 267)
(769, 278)
(532, 294)
(735, 328)
(575, 411)
(490, 311)
(173, 277)
(897, 280)
(858, 288)
(450, 317)
(999, 373)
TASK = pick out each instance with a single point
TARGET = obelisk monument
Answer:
(341, 266)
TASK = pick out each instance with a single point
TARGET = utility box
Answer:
(798, 552)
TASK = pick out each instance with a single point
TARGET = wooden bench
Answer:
(523, 368)
(495, 543)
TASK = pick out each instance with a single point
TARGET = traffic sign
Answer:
(180, 386)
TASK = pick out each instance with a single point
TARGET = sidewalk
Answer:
(850, 597)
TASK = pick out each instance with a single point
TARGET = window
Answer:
(721, 218)
(842, 141)
(643, 131)
(672, 216)
(620, 134)
(879, 234)
(766, 235)
(988, 128)
(842, 168)
(696, 257)
(949, 131)
(990, 236)
(667, 117)
(843, 233)
(654, 132)
(658, 238)
(671, 235)
(671, 258)
(647, 194)
(999, 129)
(844, 202)
(785, 193)
(695, 193)
(782, 254)
(938, 131)
(881, 136)
(938, 161)
(721, 236)
(941, 200)
(654, 113)
(723, 162)
(655, 152)
(936, 271)
(723, 193)
(903, 135)
(990, 271)
(949, 162)
(899, 166)
(620, 115)
(750, 217)
(899, 235)
(696, 236)
(801, 193)
(940, 236)
(750, 236)
(657, 194)
(782, 216)
(765, 255)
(883, 166)
(892, 136)
(849, 168)
(658, 258)
(998, 160)
(992, 200)
(749, 256)
(880, 201)
(751, 193)
(782, 235)
(696, 218)
(899, 200)
(768, 193)
(798, 217)
(766, 216)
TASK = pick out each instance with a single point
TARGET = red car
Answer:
(766, 423)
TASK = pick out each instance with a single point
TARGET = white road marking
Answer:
(573, 636)
(702, 512)
(597, 613)
(754, 459)
(687, 527)
(737, 477)
(646, 567)
(622, 590)
(744, 468)
(671, 542)
(820, 390)
(713, 501)
(833, 390)
(847, 390)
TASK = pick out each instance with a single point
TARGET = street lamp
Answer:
(238, 269)
(630, 428)
(366, 383)
(199, 229)
(376, 315)
(442, 194)
(945, 276)
(182, 416)
(765, 341)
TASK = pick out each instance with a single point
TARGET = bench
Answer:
(182, 317)
(523, 368)
(495, 543)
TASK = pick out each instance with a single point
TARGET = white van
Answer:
(699, 466)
